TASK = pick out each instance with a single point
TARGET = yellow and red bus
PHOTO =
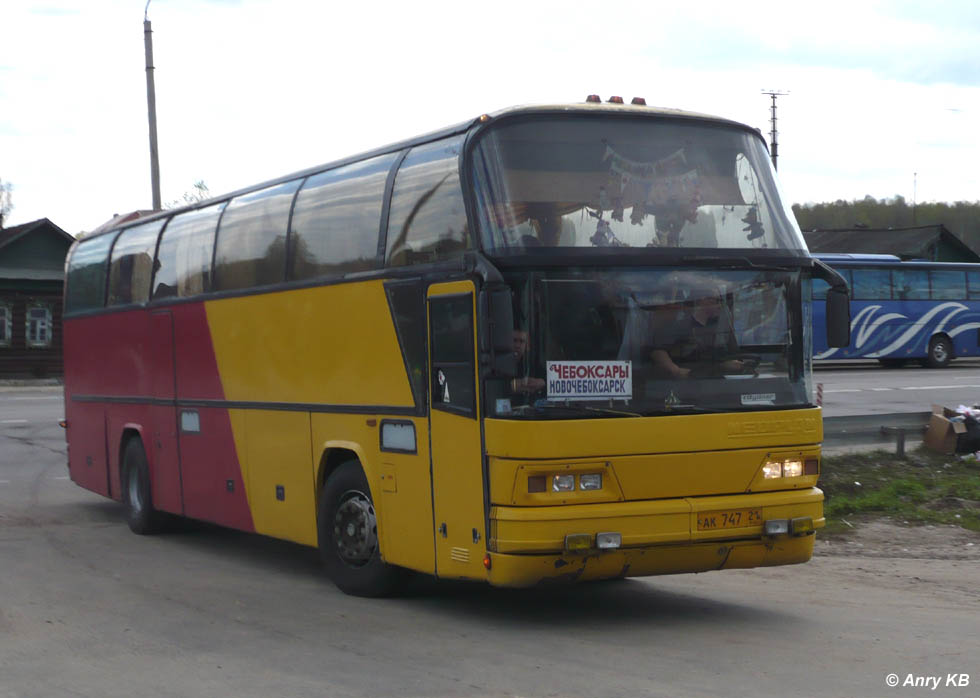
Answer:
(466, 355)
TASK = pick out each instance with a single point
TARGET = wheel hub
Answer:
(356, 529)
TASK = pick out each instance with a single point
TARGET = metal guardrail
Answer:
(888, 429)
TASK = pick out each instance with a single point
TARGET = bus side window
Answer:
(872, 284)
(453, 371)
(427, 221)
(336, 220)
(183, 264)
(132, 264)
(251, 247)
(947, 285)
(87, 274)
(910, 284)
(973, 285)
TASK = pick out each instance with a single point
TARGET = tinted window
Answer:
(87, 274)
(408, 312)
(872, 284)
(132, 264)
(184, 258)
(973, 285)
(427, 222)
(336, 220)
(453, 376)
(910, 284)
(948, 285)
(251, 247)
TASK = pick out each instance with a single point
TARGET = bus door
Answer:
(161, 441)
(454, 432)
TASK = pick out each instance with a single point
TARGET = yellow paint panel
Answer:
(399, 483)
(327, 345)
(599, 438)
(281, 487)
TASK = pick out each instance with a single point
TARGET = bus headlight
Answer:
(772, 469)
(563, 483)
(792, 468)
(590, 481)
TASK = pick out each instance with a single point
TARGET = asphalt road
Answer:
(852, 388)
(89, 609)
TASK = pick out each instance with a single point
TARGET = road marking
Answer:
(934, 387)
(13, 421)
(844, 390)
(36, 398)
(4, 482)
(881, 390)
(59, 477)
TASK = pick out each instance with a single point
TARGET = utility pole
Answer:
(151, 108)
(773, 144)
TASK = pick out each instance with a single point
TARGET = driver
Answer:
(700, 339)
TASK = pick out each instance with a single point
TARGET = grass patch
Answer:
(924, 487)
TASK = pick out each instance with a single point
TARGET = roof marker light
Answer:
(640, 101)
(594, 98)
(616, 100)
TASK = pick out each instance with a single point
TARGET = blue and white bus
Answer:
(900, 311)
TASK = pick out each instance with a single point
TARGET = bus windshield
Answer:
(587, 182)
(651, 341)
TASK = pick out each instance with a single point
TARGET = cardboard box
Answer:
(942, 434)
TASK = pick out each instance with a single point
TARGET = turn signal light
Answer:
(801, 526)
(578, 542)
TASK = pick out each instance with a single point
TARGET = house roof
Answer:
(915, 242)
(8, 235)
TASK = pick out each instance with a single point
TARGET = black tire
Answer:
(136, 491)
(940, 353)
(347, 531)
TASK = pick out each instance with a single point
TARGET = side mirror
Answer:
(498, 334)
(838, 317)
(838, 305)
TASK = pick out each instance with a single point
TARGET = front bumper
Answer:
(658, 537)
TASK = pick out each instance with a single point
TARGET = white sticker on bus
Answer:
(590, 380)
(759, 399)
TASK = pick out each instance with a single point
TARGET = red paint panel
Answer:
(210, 463)
(197, 368)
(160, 354)
(86, 449)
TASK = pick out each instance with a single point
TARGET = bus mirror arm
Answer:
(838, 305)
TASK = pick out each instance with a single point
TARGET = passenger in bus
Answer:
(524, 382)
(699, 342)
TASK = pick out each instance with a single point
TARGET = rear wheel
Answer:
(137, 496)
(940, 352)
(347, 528)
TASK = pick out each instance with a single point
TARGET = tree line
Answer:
(962, 218)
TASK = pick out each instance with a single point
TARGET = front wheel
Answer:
(940, 353)
(347, 528)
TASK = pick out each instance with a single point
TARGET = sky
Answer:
(883, 97)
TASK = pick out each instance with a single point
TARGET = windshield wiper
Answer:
(579, 409)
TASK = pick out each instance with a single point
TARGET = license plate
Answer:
(730, 518)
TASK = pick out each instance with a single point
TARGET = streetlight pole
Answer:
(151, 108)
